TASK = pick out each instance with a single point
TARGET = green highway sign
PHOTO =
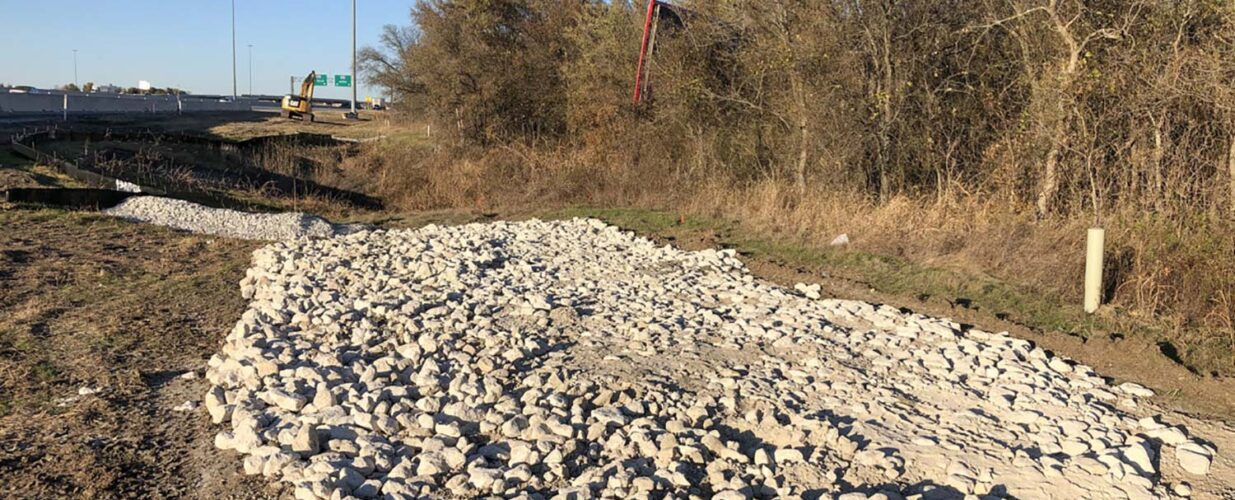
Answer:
(321, 80)
(343, 80)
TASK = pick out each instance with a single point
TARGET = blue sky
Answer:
(187, 43)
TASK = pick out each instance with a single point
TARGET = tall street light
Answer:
(354, 79)
(233, 50)
(75, 84)
(250, 70)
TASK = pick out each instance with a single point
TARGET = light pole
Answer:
(233, 50)
(354, 80)
(75, 84)
(250, 70)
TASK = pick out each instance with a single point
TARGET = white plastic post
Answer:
(66, 106)
(1093, 269)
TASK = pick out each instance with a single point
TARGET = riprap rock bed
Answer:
(571, 358)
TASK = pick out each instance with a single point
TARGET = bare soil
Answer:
(240, 126)
(91, 302)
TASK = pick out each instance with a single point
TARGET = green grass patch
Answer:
(901, 276)
(22, 343)
(404, 138)
(44, 372)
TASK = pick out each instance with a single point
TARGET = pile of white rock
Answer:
(189, 216)
(571, 360)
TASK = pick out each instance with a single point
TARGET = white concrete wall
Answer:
(79, 103)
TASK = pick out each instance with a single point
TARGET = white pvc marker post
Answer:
(1093, 269)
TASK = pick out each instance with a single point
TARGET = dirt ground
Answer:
(249, 125)
(91, 302)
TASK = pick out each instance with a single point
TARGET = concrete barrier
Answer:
(81, 103)
(31, 103)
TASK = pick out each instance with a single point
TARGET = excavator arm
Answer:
(659, 12)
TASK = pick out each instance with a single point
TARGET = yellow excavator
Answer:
(300, 106)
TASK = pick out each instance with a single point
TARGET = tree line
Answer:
(1062, 107)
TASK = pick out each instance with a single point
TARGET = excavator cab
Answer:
(300, 106)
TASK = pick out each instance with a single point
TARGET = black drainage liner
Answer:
(97, 199)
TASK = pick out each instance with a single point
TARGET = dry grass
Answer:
(1169, 279)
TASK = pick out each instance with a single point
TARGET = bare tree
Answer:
(884, 89)
(385, 65)
(1071, 29)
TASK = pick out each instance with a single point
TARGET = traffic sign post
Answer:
(343, 80)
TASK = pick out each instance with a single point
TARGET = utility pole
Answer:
(75, 84)
(250, 70)
(234, 50)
